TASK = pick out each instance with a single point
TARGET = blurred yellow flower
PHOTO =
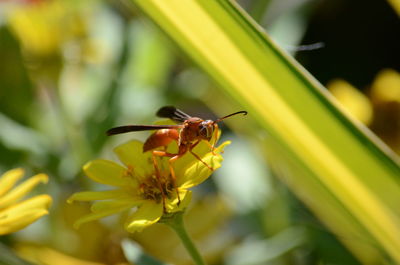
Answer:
(40, 27)
(47, 256)
(379, 109)
(385, 96)
(51, 28)
(138, 186)
(97, 244)
(16, 214)
(395, 5)
(355, 102)
(386, 86)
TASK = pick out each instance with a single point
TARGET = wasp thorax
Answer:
(153, 189)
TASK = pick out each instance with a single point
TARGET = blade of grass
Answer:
(343, 157)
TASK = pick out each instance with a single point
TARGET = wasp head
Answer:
(206, 129)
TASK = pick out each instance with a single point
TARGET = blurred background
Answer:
(70, 70)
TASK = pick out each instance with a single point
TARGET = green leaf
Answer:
(335, 165)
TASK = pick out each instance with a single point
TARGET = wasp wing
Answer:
(135, 128)
(172, 113)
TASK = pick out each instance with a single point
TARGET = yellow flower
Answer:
(386, 87)
(136, 184)
(16, 214)
(162, 243)
(40, 27)
(379, 108)
(45, 255)
(353, 100)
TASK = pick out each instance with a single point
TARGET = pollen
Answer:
(129, 171)
(153, 188)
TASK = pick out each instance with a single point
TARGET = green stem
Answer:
(175, 222)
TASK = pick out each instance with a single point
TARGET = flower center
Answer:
(153, 188)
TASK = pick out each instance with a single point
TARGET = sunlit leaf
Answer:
(335, 165)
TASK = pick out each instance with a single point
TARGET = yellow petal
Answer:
(172, 206)
(131, 154)
(24, 213)
(109, 173)
(8, 179)
(103, 206)
(100, 214)
(17, 221)
(22, 189)
(45, 255)
(35, 203)
(97, 195)
(197, 172)
(149, 213)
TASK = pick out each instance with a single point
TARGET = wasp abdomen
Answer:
(160, 138)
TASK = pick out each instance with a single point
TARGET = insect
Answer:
(188, 134)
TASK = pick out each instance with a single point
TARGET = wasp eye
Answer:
(203, 131)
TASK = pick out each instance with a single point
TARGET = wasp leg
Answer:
(215, 136)
(171, 169)
(212, 147)
(197, 157)
(173, 176)
(158, 176)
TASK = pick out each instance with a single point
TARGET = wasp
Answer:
(188, 133)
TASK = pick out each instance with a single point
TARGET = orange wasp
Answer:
(188, 135)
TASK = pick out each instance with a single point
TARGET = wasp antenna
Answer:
(230, 115)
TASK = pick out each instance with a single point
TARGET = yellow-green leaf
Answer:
(347, 176)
